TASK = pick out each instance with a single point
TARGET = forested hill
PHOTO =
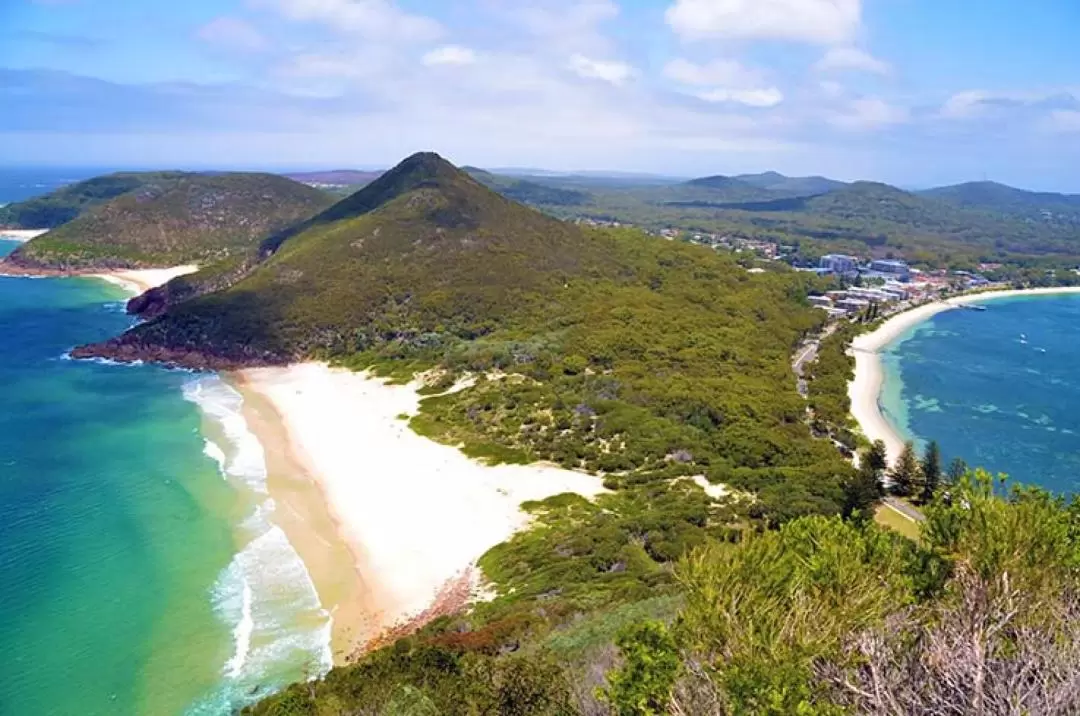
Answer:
(795, 186)
(671, 351)
(1002, 200)
(970, 221)
(166, 219)
(69, 202)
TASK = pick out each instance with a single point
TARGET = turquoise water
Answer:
(142, 573)
(999, 388)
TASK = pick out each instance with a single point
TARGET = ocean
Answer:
(142, 573)
(998, 388)
(18, 184)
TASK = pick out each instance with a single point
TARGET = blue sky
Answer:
(914, 92)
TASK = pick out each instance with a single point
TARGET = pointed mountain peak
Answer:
(421, 170)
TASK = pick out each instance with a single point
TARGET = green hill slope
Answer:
(170, 219)
(710, 190)
(68, 203)
(886, 218)
(991, 197)
(668, 347)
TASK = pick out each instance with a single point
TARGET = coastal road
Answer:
(807, 354)
(905, 509)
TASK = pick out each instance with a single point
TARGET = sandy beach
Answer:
(415, 515)
(865, 389)
(21, 234)
(138, 281)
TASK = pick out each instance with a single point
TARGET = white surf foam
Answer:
(280, 630)
(104, 361)
(222, 404)
(213, 451)
(234, 667)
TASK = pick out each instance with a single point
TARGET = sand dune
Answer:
(416, 514)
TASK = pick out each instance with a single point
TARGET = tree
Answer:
(931, 471)
(865, 487)
(957, 469)
(905, 475)
(878, 456)
(642, 685)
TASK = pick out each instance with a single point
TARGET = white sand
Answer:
(138, 281)
(419, 513)
(865, 389)
(21, 234)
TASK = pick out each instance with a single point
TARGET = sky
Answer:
(912, 92)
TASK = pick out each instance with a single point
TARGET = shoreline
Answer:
(866, 388)
(22, 235)
(304, 514)
(139, 281)
(134, 281)
(411, 515)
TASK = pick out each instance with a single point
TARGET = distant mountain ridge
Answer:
(534, 193)
(774, 181)
(1007, 200)
(336, 177)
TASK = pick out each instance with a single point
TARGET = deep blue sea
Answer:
(140, 569)
(19, 183)
(999, 388)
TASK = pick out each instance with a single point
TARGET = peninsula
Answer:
(155, 220)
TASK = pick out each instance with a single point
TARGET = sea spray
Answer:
(280, 631)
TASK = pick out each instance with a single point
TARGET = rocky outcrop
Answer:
(124, 350)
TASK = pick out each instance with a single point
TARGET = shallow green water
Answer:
(141, 574)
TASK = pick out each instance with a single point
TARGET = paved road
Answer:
(807, 355)
(905, 509)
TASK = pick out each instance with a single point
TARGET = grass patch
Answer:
(893, 520)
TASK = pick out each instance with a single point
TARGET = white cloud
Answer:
(727, 73)
(726, 80)
(1011, 105)
(851, 58)
(1064, 120)
(869, 113)
(828, 22)
(964, 105)
(559, 17)
(377, 19)
(830, 89)
(617, 73)
(767, 97)
(450, 55)
(232, 33)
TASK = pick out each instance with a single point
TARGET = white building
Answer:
(839, 264)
